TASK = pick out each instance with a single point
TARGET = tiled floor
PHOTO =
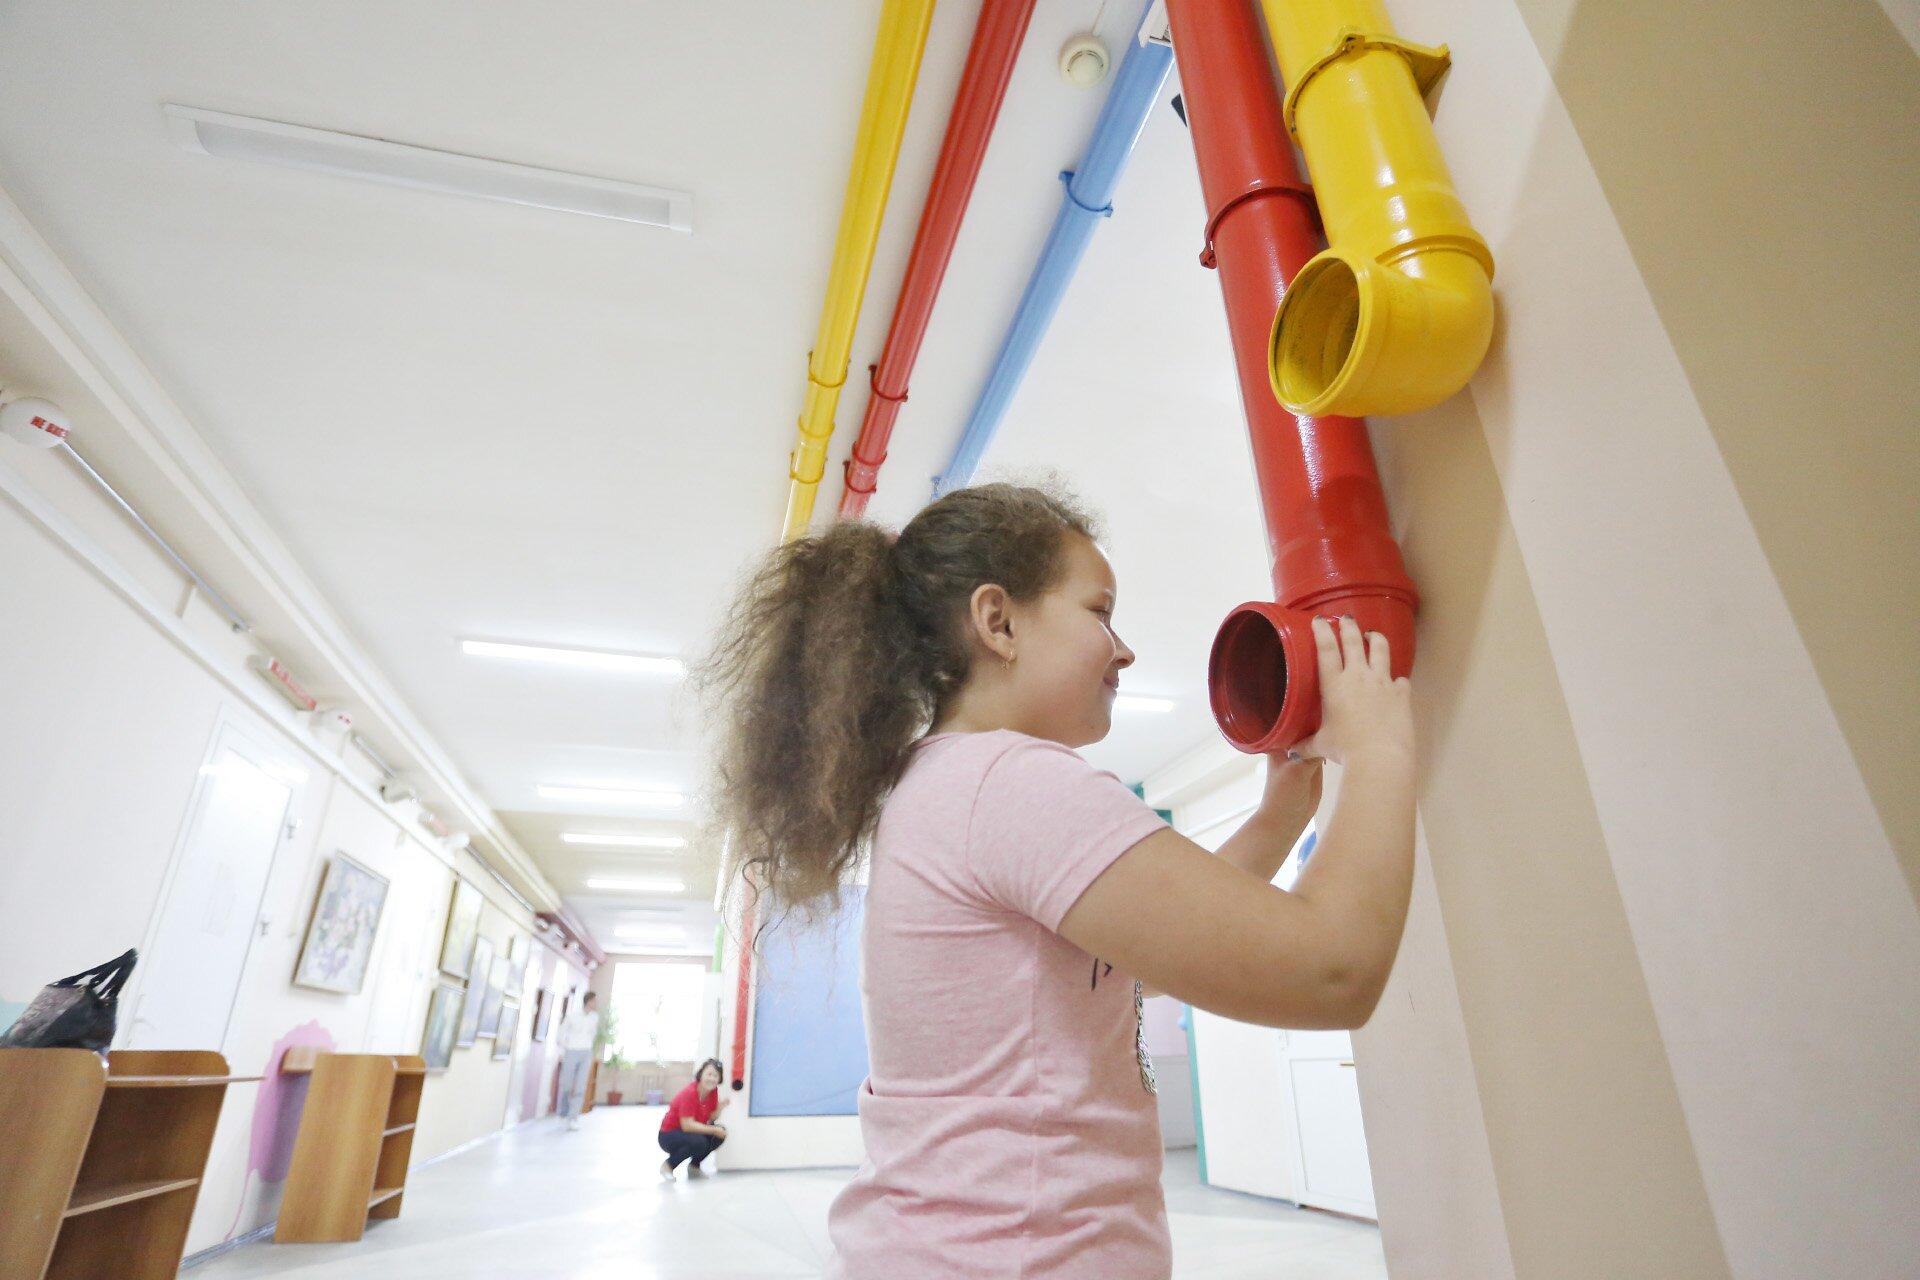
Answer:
(544, 1204)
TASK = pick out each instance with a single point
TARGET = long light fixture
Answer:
(613, 795)
(645, 664)
(1140, 702)
(352, 155)
(621, 884)
(614, 840)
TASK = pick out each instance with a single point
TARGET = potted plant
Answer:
(614, 1062)
(617, 1063)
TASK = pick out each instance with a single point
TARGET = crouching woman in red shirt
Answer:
(688, 1133)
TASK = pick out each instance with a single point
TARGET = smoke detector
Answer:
(33, 421)
(1084, 60)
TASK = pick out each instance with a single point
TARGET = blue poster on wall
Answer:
(809, 1039)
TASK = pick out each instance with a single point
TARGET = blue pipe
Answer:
(1088, 197)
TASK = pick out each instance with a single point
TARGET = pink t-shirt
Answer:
(1008, 1131)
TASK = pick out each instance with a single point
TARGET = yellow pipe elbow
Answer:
(1397, 313)
(897, 47)
(1365, 338)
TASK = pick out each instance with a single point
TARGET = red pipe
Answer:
(744, 986)
(997, 34)
(1327, 533)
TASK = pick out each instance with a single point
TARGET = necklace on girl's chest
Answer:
(1147, 1081)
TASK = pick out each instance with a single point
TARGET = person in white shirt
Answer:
(578, 1030)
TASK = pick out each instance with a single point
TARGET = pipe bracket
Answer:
(825, 386)
(1301, 191)
(1066, 180)
(873, 382)
(1428, 63)
(870, 468)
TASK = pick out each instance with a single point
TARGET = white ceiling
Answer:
(469, 418)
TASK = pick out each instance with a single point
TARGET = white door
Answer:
(190, 973)
(1246, 1122)
(1333, 1171)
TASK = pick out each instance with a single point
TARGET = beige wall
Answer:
(1574, 1084)
(1775, 233)
(1666, 676)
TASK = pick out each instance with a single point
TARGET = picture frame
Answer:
(519, 952)
(508, 1029)
(443, 1024)
(494, 996)
(470, 1012)
(543, 1003)
(463, 928)
(338, 945)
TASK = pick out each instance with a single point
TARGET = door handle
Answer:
(1346, 1064)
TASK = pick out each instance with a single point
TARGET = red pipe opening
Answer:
(1326, 514)
(997, 35)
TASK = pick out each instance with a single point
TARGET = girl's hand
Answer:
(1293, 787)
(1363, 709)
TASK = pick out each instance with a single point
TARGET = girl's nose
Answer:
(1122, 655)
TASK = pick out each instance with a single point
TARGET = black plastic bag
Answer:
(74, 1013)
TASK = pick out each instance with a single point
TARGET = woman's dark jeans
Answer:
(681, 1145)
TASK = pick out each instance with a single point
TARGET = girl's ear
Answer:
(990, 616)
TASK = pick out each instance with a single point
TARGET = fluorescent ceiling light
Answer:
(351, 155)
(614, 795)
(1139, 702)
(615, 884)
(592, 659)
(617, 841)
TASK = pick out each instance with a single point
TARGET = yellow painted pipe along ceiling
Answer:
(897, 48)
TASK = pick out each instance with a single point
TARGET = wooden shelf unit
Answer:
(104, 1160)
(356, 1139)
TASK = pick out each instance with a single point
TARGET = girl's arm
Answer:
(1218, 936)
(1270, 831)
(1286, 807)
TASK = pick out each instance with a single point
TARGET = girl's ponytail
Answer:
(835, 657)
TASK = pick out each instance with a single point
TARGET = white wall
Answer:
(108, 712)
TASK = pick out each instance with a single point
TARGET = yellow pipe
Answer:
(1396, 313)
(883, 121)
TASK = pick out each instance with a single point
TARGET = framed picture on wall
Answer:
(443, 1024)
(463, 926)
(542, 1014)
(476, 987)
(346, 916)
(496, 992)
(519, 949)
(509, 1028)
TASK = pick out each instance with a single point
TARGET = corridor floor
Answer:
(540, 1203)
